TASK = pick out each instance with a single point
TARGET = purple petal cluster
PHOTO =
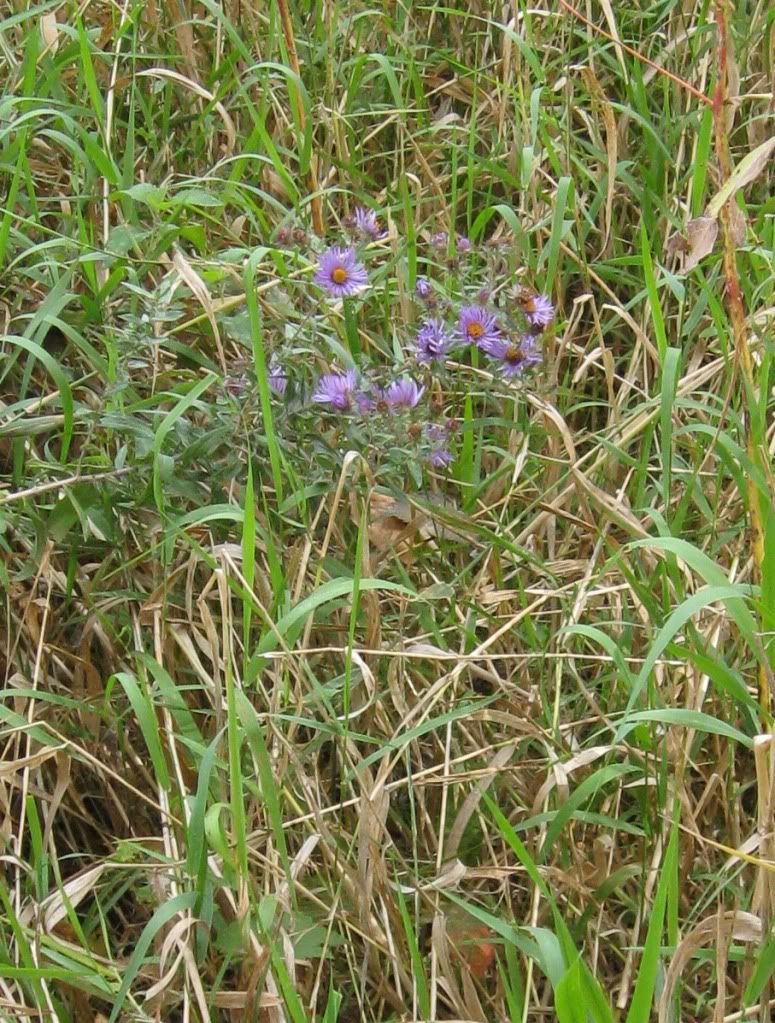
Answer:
(366, 223)
(422, 287)
(477, 326)
(340, 273)
(539, 310)
(337, 390)
(439, 456)
(433, 342)
(514, 356)
(403, 393)
(463, 245)
(277, 378)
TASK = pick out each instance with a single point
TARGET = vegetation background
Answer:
(289, 748)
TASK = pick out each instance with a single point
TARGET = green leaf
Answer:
(685, 719)
(166, 912)
(146, 719)
(645, 985)
(329, 591)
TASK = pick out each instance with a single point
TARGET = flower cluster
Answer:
(500, 324)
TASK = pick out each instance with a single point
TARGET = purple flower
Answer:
(514, 356)
(439, 456)
(477, 326)
(538, 309)
(364, 402)
(340, 273)
(422, 287)
(439, 240)
(277, 378)
(367, 224)
(463, 245)
(403, 393)
(337, 390)
(433, 341)
(483, 296)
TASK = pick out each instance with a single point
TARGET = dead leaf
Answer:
(609, 17)
(738, 225)
(740, 926)
(50, 32)
(750, 167)
(474, 797)
(701, 237)
(202, 294)
(175, 76)
(30, 763)
(676, 243)
(600, 101)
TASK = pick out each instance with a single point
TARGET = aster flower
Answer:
(439, 240)
(340, 273)
(403, 393)
(538, 309)
(433, 341)
(514, 356)
(463, 245)
(477, 326)
(422, 287)
(337, 390)
(277, 378)
(367, 224)
(440, 458)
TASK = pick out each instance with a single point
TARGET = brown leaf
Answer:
(49, 30)
(701, 236)
(750, 167)
(738, 225)
(739, 925)
(676, 243)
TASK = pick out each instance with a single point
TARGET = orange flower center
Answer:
(475, 330)
(514, 354)
(339, 275)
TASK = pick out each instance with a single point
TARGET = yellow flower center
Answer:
(475, 330)
(339, 275)
(514, 354)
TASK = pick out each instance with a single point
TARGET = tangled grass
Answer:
(295, 725)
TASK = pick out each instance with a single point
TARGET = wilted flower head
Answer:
(403, 393)
(463, 244)
(439, 456)
(422, 287)
(433, 341)
(337, 390)
(477, 326)
(236, 384)
(367, 224)
(340, 273)
(514, 356)
(439, 240)
(277, 378)
(537, 308)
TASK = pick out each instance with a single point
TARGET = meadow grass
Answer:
(290, 733)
